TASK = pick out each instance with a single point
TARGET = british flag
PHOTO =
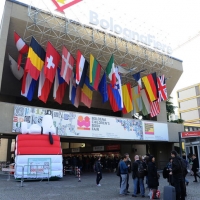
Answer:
(162, 89)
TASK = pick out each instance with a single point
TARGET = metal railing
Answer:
(32, 172)
(24, 172)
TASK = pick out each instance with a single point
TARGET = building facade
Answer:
(48, 25)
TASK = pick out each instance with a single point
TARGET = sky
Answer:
(173, 22)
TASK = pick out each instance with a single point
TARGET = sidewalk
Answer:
(70, 189)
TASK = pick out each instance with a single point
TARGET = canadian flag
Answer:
(67, 65)
(22, 47)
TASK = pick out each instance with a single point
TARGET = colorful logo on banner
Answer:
(83, 123)
(64, 5)
(149, 128)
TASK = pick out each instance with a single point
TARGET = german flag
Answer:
(35, 59)
(150, 82)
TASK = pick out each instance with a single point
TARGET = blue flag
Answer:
(103, 88)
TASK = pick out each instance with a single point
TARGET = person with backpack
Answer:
(178, 173)
(138, 174)
(98, 170)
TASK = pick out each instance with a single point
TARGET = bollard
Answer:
(22, 178)
(76, 172)
(79, 175)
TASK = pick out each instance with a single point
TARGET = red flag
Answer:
(154, 108)
(22, 47)
(51, 62)
(67, 65)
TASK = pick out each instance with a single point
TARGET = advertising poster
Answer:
(91, 126)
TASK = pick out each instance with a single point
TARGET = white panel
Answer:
(21, 161)
(187, 93)
(192, 103)
(190, 115)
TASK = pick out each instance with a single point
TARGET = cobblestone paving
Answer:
(70, 189)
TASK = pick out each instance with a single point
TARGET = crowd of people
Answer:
(143, 170)
(86, 163)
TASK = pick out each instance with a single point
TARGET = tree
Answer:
(170, 107)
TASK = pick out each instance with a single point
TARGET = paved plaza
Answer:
(70, 188)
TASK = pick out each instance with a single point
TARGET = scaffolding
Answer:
(59, 30)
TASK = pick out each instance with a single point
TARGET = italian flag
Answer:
(110, 71)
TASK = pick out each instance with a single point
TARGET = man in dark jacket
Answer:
(178, 175)
(195, 167)
(98, 168)
(138, 176)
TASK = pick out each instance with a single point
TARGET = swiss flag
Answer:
(51, 62)
(67, 65)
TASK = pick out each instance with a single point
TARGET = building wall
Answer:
(190, 115)
(186, 93)
(188, 104)
(3, 149)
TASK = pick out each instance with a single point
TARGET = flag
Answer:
(118, 85)
(145, 100)
(67, 65)
(110, 70)
(28, 86)
(103, 88)
(51, 62)
(162, 89)
(138, 79)
(127, 98)
(136, 100)
(74, 91)
(86, 93)
(59, 87)
(44, 87)
(22, 47)
(95, 72)
(150, 82)
(13, 66)
(81, 69)
(155, 108)
(114, 98)
(35, 59)
(144, 110)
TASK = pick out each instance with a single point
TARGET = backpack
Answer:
(118, 171)
(140, 172)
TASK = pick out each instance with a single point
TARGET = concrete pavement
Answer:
(70, 189)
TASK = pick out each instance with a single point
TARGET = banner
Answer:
(86, 125)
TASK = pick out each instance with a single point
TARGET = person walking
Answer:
(178, 175)
(98, 169)
(152, 176)
(123, 173)
(195, 167)
(138, 176)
